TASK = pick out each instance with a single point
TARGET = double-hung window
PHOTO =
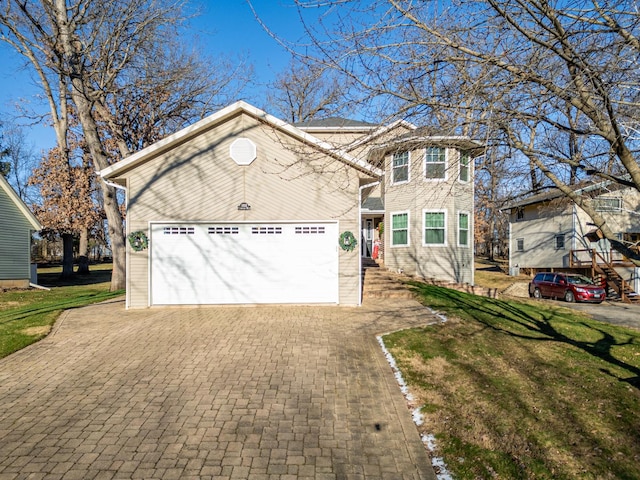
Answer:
(435, 163)
(400, 229)
(435, 228)
(400, 167)
(463, 229)
(465, 166)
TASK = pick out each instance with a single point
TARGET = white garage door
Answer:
(195, 264)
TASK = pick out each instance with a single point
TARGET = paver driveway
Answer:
(226, 392)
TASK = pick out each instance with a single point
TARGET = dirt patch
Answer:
(37, 331)
(6, 305)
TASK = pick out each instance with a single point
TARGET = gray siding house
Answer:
(244, 208)
(17, 223)
(549, 232)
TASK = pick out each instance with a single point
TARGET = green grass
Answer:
(522, 390)
(27, 316)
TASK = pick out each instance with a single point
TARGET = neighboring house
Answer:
(549, 232)
(17, 223)
(244, 208)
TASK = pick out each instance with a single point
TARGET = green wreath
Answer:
(138, 240)
(347, 241)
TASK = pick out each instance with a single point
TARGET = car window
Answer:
(539, 277)
(548, 277)
(579, 280)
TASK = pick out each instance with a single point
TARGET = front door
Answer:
(367, 238)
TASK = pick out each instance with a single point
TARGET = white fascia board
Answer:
(239, 106)
(13, 196)
(167, 142)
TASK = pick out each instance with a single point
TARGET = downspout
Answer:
(121, 187)
(112, 184)
(574, 233)
(510, 246)
(372, 184)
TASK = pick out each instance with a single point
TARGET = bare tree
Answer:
(558, 84)
(95, 53)
(18, 156)
(305, 92)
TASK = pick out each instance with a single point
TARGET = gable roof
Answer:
(553, 193)
(219, 117)
(333, 123)
(379, 132)
(13, 196)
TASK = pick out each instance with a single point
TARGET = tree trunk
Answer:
(83, 253)
(79, 88)
(67, 255)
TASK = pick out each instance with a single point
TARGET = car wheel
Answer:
(536, 293)
(569, 297)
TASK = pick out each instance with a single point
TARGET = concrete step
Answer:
(380, 283)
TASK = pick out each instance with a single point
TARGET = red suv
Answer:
(571, 287)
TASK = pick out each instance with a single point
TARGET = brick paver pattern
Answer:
(218, 392)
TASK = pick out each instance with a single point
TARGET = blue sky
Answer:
(225, 27)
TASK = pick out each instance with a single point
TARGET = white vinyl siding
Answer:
(435, 163)
(435, 227)
(400, 229)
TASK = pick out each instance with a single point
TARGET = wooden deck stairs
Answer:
(614, 281)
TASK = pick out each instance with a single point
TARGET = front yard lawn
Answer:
(520, 390)
(26, 316)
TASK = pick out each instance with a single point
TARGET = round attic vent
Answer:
(243, 151)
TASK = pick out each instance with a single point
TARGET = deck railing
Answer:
(589, 257)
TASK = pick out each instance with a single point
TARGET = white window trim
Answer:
(600, 208)
(555, 241)
(408, 229)
(424, 228)
(446, 166)
(408, 170)
(469, 170)
(469, 225)
(517, 241)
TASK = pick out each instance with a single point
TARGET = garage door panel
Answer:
(244, 263)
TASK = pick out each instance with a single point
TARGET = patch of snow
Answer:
(429, 440)
(418, 419)
(441, 316)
